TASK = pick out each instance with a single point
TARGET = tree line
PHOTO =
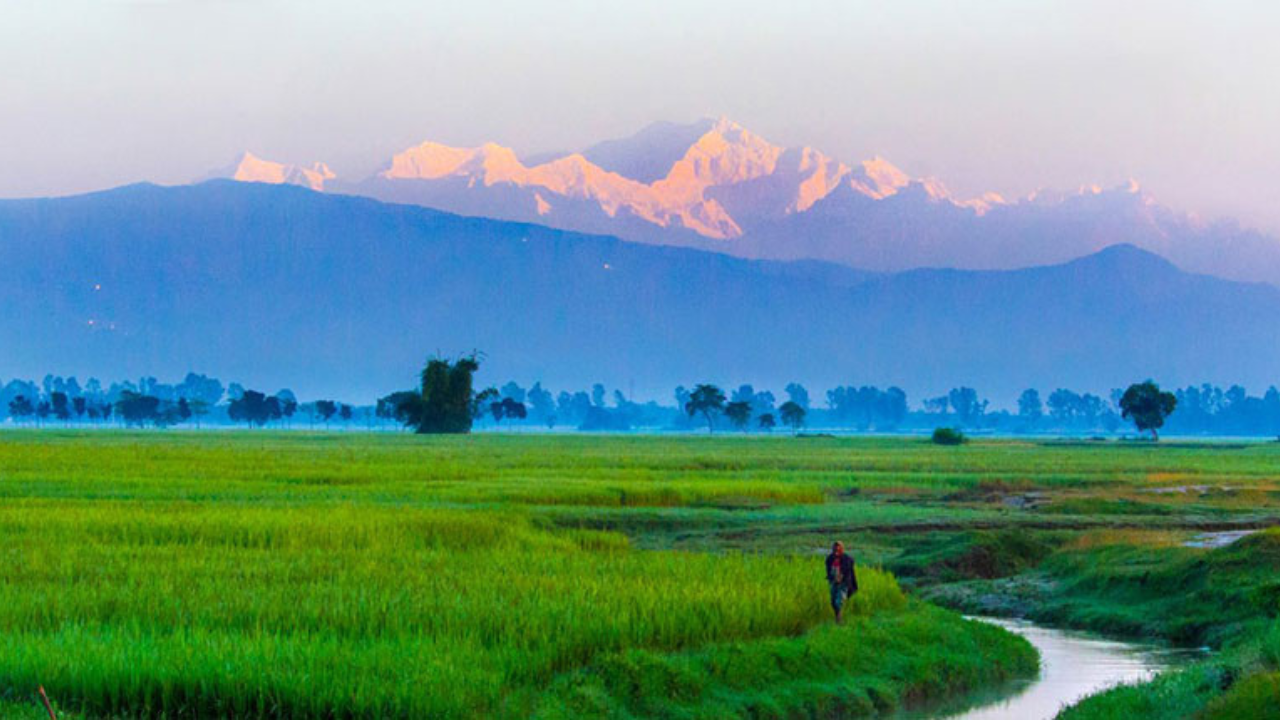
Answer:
(202, 400)
(147, 402)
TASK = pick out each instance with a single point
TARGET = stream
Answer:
(1073, 665)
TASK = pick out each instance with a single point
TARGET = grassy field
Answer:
(291, 575)
(166, 574)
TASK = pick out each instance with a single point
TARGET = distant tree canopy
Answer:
(1029, 406)
(792, 414)
(739, 413)
(1147, 406)
(255, 408)
(508, 407)
(446, 404)
(326, 409)
(705, 400)
(868, 406)
(136, 408)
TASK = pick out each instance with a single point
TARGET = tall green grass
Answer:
(127, 601)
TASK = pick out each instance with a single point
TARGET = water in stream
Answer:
(1072, 666)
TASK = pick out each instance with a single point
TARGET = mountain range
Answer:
(715, 185)
(276, 285)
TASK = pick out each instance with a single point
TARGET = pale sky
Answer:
(986, 95)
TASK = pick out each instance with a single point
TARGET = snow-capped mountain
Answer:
(715, 185)
(251, 168)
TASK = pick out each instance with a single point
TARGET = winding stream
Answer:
(1072, 665)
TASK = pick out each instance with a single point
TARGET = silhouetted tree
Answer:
(288, 406)
(797, 394)
(345, 412)
(326, 409)
(397, 406)
(966, 404)
(739, 413)
(507, 407)
(1147, 406)
(483, 400)
(61, 405)
(1030, 408)
(253, 408)
(793, 414)
(767, 422)
(541, 405)
(137, 409)
(708, 401)
(21, 407)
(447, 403)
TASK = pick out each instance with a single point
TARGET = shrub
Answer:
(949, 436)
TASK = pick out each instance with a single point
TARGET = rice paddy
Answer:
(256, 574)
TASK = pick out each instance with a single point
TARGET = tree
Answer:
(483, 400)
(1030, 408)
(326, 409)
(797, 394)
(61, 405)
(739, 413)
(21, 407)
(792, 414)
(203, 388)
(964, 401)
(542, 405)
(253, 408)
(80, 405)
(767, 422)
(346, 412)
(199, 408)
(514, 391)
(508, 407)
(184, 410)
(288, 404)
(136, 408)
(708, 401)
(1064, 405)
(447, 402)
(1147, 406)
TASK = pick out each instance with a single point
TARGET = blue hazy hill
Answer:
(280, 286)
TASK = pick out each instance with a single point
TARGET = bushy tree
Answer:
(1030, 408)
(326, 409)
(797, 394)
(21, 407)
(793, 414)
(446, 403)
(708, 401)
(739, 413)
(254, 408)
(136, 408)
(1147, 406)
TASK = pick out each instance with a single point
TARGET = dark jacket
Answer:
(848, 576)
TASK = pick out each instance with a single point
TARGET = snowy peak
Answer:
(713, 177)
(489, 163)
(251, 168)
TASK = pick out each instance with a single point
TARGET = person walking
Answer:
(842, 577)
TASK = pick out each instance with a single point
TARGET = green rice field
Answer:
(335, 575)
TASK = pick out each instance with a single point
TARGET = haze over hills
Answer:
(715, 185)
(282, 286)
